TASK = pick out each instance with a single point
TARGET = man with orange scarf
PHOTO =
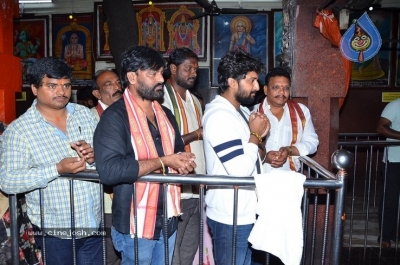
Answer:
(292, 132)
(182, 73)
(137, 136)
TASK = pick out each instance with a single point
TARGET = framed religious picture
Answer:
(163, 26)
(30, 41)
(102, 49)
(247, 32)
(375, 71)
(168, 25)
(398, 55)
(278, 30)
(72, 41)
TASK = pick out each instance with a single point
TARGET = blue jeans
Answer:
(150, 251)
(59, 251)
(222, 236)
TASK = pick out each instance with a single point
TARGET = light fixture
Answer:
(71, 16)
(34, 1)
(374, 7)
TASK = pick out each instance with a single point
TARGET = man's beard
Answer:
(242, 98)
(183, 83)
(147, 93)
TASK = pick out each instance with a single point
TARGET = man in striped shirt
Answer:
(51, 138)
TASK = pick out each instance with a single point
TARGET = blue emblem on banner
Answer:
(361, 41)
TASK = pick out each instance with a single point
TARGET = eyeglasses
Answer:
(52, 86)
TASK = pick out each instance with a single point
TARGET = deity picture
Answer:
(73, 52)
(184, 35)
(179, 30)
(72, 41)
(241, 38)
(151, 27)
(30, 42)
(163, 26)
(151, 33)
(102, 33)
(183, 31)
(247, 32)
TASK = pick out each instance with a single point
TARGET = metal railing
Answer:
(367, 182)
(322, 208)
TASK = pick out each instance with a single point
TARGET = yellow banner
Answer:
(390, 96)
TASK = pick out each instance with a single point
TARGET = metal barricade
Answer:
(366, 186)
(322, 208)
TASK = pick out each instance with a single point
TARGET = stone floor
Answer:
(360, 246)
(361, 230)
(361, 235)
(370, 256)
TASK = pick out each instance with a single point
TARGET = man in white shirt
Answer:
(181, 74)
(389, 126)
(292, 132)
(107, 89)
(231, 143)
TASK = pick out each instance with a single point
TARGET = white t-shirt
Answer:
(392, 113)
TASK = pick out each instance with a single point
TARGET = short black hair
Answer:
(139, 58)
(177, 57)
(277, 71)
(52, 67)
(236, 64)
(96, 75)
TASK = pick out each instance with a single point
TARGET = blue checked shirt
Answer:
(31, 149)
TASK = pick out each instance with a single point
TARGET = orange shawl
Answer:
(144, 147)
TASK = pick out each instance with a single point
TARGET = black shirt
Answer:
(116, 161)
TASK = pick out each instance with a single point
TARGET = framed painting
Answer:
(163, 26)
(30, 41)
(103, 51)
(248, 32)
(72, 41)
(398, 55)
(278, 29)
(374, 72)
(179, 30)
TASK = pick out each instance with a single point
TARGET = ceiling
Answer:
(85, 6)
(82, 6)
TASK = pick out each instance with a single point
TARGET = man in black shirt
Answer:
(137, 136)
